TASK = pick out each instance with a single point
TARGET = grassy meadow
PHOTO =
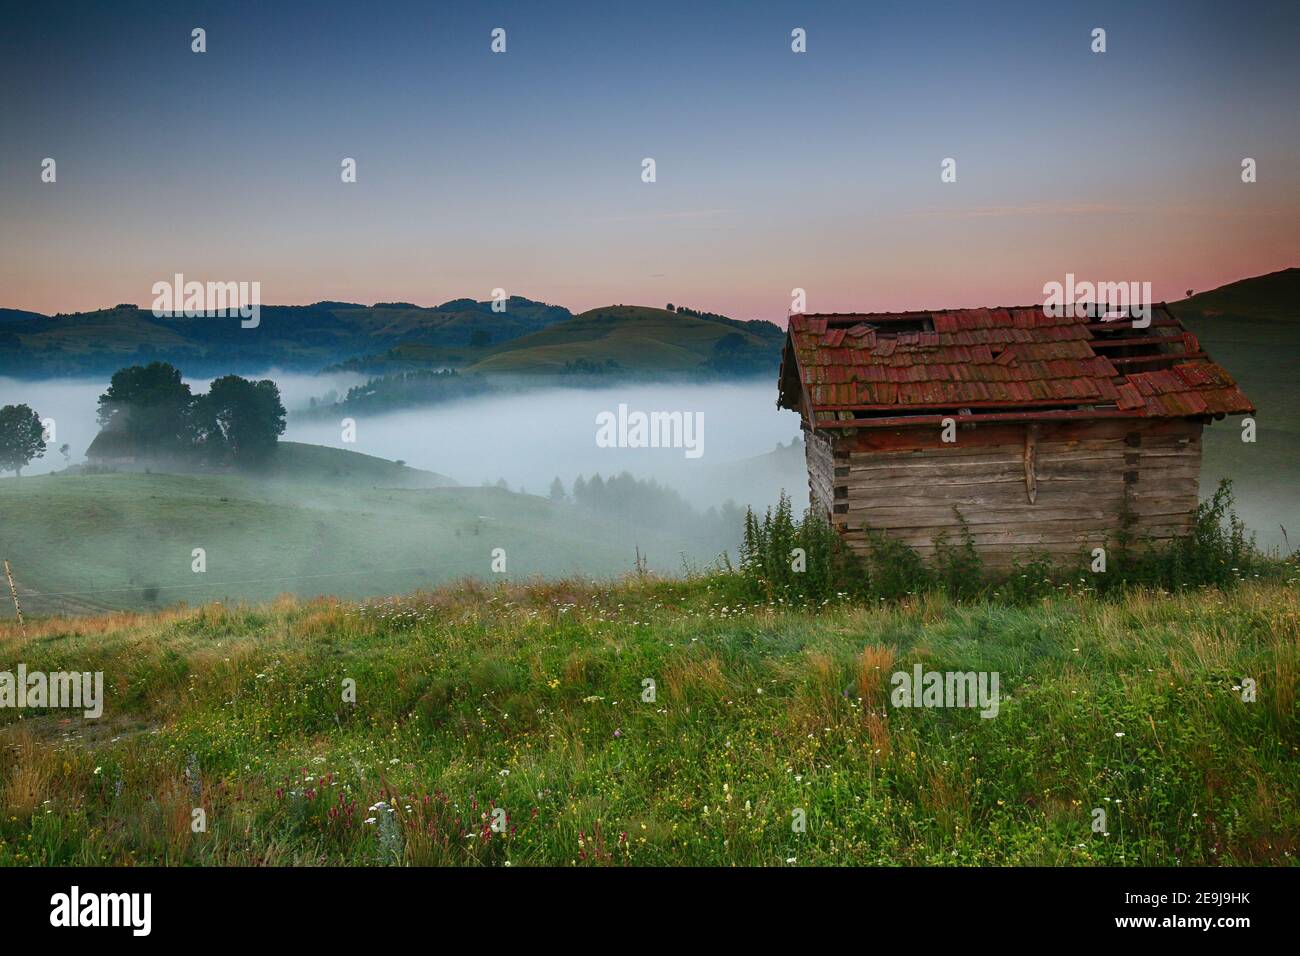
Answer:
(87, 543)
(529, 699)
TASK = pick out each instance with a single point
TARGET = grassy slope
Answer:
(530, 700)
(112, 539)
(1252, 328)
(297, 461)
(1275, 296)
(636, 337)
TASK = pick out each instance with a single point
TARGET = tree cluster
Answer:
(237, 422)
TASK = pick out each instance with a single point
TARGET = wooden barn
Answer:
(1044, 433)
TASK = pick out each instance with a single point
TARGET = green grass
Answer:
(96, 542)
(529, 699)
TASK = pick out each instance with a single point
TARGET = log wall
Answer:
(1079, 476)
(819, 449)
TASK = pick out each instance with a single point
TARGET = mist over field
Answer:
(531, 438)
(526, 438)
(322, 521)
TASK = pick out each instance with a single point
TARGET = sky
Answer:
(522, 170)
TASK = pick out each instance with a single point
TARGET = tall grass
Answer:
(783, 557)
(533, 700)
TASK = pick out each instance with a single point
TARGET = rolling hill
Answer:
(81, 543)
(309, 464)
(320, 464)
(528, 337)
(1252, 328)
(292, 337)
(1271, 297)
(639, 338)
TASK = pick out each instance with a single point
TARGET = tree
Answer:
(239, 421)
(151, 405)
(21, 437)
(557, 489)
(480, 339)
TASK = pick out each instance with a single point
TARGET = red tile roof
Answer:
(858, 373)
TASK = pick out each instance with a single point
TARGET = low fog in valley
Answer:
(527, 438)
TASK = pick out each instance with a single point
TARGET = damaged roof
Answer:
(1005, 364)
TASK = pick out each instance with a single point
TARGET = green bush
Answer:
(1217, 552)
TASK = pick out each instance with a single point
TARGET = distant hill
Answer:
(320, 464)
(527, 337)
(305, 337)
(313, 465)
(1272, 296)
(635, 338)
(1252, 328)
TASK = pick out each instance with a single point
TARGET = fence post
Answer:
(14, 592)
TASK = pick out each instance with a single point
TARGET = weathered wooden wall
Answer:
(907, 484)
(819, 450)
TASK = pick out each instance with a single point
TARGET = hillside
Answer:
(537, 701)
(320, 464)
(86, 542)
(292, 337)
(1275, 296)
(638, 338)
(528, 337)
(1252, 328)
(306, 464)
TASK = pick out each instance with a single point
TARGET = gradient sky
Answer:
(522, 170)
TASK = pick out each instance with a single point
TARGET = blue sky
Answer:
(522, 170)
